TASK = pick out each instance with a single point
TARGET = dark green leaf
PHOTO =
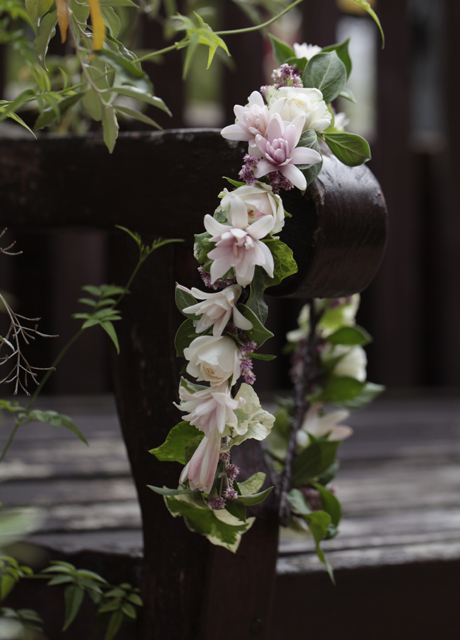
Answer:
(115, 622)
(313, 461)
(56, 420)
(330, 504)
(110, 125)
(173, 448)
(326, 72)
(256, 300)
(369, 392)
(262, 356)
(348, 95)
(237, 509)
(73, 596)
(184, 336)
(252, 485)
(184, 300)
(281, 50)
(110, 330)
(258, 333)
(142, 96)
(129, 610)
(330, 473)
(137, 115)
(351, 149)
(367, 7)
(135, 599)
(235, 183)
(164, 491)
(340, 389)
(255, 498)
(343, 53)
(350, 336)
(46, 31)
(285, 265)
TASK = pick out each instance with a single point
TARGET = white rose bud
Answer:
(259, 201)
(214, 359)
(353, 364)
(291, 102)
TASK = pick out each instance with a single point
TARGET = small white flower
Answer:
(214, 359)
(319, 426)
(291, 102)
(216, 309)
(253, 421)
(211, 410)
(353, 364)
(341, 121)
(306, 50)
(259, 201)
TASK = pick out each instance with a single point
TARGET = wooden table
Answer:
(397, 557)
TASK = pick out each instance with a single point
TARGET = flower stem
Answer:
(303, 388)
(259, 26)
(10, 440)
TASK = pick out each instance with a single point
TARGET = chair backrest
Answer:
(162, 184)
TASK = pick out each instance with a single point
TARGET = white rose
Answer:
(291, 102)
(259, 201)
(306, 50)
(353, 364)
(214, 359)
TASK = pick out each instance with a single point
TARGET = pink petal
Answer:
(235, 132)
(275, 127)
(294, 175)
(261, 227)
(263, 168)
(305, 155)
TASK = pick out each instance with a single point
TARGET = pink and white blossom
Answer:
(211, 410)
(239, 246)
(216, 309)
(214, 359)
(279, 151)
(251, 120)
(201, 468)
(259, 201)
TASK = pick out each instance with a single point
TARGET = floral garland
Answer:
(240, 255)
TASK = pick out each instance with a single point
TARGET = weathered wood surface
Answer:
(399, 484)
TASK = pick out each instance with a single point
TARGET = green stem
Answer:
(259, 26)
(38, 390)
(176, 45)
(10, 440)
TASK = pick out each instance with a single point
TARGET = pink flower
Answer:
(211, 410)
(239, 245)
(279, 152)
(216, 309)
(250, 121)
(201, 469)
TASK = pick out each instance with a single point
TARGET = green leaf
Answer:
(351, 149)
(281, 50)
(343, 53)
(350, 336)
(56, 420)
(326, 72)
(234, 183)
(340, 389)
(285, 265)
(313, 461)
(142, 96)
(199, 34)
(110, 126)
(48, 115)
(184, 336)
(126, 71)
(129, 610)
(256, 302)
(59, 580)
(46, 31)
(327, 476)
(135, 236)
(117, 3)
(173, 448)
(192, 446)
(369, 392)
(252, 485)
(262, 356)
(111, 20)
(114, 625)
(258, 333)
(73, 596)
(236, 509)
(220, 527)
(348, 95)
(310, 139)
(110, 330)
(255, 498)
(184, 300)
(137, 115)
(330, 504)
(367, 7)
(164, 491)
(135, 599)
